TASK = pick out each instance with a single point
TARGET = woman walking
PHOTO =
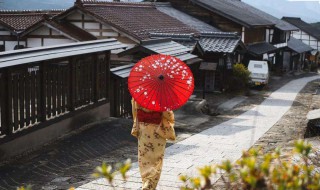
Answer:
(152, 129)
(158, 85)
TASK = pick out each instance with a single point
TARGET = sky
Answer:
(308, 10)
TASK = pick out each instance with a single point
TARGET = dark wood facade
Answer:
(42, 89)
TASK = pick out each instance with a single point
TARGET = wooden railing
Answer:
(34, 93)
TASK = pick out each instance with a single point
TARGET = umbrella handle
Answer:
(161, 77)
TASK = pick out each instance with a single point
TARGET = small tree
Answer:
(240, 78)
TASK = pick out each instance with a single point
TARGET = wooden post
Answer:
(6, 99)
(71, 95)
(108, 53)
(112, 97)
(96, 89)
(43, 94)
(204, 84)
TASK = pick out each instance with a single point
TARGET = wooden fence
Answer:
(32, 94)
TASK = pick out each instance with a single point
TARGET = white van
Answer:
(259, 72)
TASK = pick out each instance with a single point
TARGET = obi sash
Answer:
(149, 117)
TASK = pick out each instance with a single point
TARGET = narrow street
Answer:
(224, 141)
(70, 161)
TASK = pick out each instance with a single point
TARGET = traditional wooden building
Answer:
(228, 16)
(126, 21)
(258, 30)
(298, 52)
(218, 50)
(13, 23)
(308, 34)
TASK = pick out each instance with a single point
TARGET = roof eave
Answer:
(247, 25)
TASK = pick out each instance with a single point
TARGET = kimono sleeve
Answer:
(135, 129)
(166, 129)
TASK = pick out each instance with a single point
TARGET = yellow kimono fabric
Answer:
(151, 145)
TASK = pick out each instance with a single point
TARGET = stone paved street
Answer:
(224, 141)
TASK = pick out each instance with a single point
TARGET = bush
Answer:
(255, 171)
(240, 77)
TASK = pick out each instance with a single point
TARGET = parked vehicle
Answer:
(259, 72)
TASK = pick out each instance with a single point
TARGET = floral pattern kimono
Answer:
(151, 144)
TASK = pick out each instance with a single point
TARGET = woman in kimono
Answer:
(152, 129)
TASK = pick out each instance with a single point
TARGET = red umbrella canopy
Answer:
(161, 83)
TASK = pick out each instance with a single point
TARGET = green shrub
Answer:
(240, 78)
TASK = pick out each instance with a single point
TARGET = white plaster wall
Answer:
(5, 33)
(34, 42)
(305, 37)
(90, 25)
(313, 43)
(51, 42)
(110, 34)
(41, 31)
(10, 45)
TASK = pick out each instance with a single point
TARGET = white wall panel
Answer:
(34, 42)
(313, 43)
(10, 45)
(90, 25)
(110, 34)
(51, 41)
(5, 33)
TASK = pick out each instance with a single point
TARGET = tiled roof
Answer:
(219, 42)
(197, 24)
(261, 48)
(134, 19)
(209, 42)
(235, 10)
(308, 28)
(184, 39)
(162, 46)
(298, 46)
(17, 21)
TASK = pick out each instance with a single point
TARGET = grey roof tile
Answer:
(235, 10)
(298, 46)
(261, 48)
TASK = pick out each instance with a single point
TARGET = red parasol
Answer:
(161, 83)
